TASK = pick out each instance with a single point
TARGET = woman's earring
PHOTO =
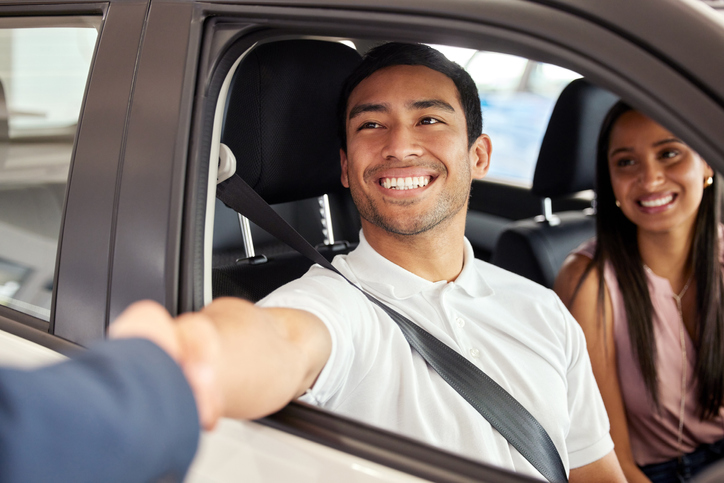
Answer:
(618, 203)
(708, 181)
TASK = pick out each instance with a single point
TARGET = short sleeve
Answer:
(588, 439)
(341, 307)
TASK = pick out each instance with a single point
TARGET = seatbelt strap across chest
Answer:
(495, 404)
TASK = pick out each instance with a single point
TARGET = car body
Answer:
(132, 221)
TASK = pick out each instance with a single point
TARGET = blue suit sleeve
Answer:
(120, 412)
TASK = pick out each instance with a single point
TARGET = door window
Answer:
(44, 66)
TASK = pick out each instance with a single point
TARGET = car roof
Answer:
(683, 33)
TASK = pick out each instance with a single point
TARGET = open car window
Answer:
(538, 79)
(244, 261)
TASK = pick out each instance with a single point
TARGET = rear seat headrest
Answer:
(567, 157)
(281, 117)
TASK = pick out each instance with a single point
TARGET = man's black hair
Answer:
(399, 53)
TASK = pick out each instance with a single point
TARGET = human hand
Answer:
(191, 340)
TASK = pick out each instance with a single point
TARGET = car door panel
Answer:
(134, 217)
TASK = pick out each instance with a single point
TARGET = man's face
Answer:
(407, 164)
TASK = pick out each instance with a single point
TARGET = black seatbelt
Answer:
(494, 403)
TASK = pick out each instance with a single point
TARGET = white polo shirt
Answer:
(517, 332)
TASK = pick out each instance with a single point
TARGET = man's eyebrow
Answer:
(428, 103)
(361, 108)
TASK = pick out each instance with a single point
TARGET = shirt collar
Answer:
(390, 279)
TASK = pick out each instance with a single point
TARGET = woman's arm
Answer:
(601, 350)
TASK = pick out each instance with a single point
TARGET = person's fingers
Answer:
(201, 349)
(191, 340)
(150, 320)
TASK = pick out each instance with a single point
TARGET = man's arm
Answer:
(267, 356)
(604, 470)
(242, 361)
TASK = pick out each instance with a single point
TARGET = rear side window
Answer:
(517, 96)
(44, 66)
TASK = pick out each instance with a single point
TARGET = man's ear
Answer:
(480, 153)
(343, 163)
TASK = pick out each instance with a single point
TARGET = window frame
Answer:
(485, 24)
(13, 321)
(475, 33)
(95, 286)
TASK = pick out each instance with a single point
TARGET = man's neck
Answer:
(434, 255)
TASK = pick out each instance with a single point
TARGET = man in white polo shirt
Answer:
(412, 145)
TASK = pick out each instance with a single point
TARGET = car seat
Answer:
(536, 248)
(281, 126)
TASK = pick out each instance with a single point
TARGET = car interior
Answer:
(283, 127)
(536, 247)
(279, 124)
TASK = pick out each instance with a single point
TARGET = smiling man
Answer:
(409, 163)
(411, 124)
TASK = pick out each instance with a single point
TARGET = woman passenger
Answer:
(648, 294)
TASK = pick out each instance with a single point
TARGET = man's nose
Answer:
(401, 143)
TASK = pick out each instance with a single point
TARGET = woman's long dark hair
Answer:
(617, 242)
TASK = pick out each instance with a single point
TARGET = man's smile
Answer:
(407, 183)
(394, 180)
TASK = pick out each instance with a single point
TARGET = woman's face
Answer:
(657, 179)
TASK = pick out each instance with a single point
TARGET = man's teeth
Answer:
(657, 202)
(405, 183)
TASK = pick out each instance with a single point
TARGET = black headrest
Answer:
(281, 120)
(567, 158)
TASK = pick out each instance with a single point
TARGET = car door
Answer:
(662, 83)
(135, 201)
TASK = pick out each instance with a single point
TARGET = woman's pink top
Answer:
(654, 434)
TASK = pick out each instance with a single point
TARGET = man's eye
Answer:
(429, 120)
(369, 125)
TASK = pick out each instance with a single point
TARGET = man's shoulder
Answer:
(516, 294)
(501, 279)
(317, 282)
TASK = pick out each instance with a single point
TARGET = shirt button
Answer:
(461, 322)
(474, 353)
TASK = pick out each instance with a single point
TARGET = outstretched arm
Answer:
(585, 308)
(242, 361)
(268, 356)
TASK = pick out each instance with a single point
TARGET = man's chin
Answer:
(408, 229)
